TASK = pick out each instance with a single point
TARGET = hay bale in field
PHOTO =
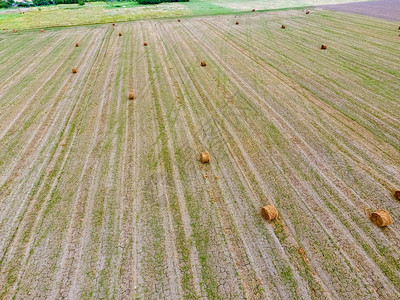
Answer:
(205, 157)
(237, 22)
(113, 24)
(131, 96)
(323, 47)
(120, 34)
(283, 26)
(179, 20)
(76, 44)
(42, 30)
(269, 212)
(381, 218)
(397, 194)
(399, 27)
(15, 31)
(307, 12)
(203, 64)
(74, 70)
(253, 10)
(145, 44)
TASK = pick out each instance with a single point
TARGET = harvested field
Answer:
(103, 197)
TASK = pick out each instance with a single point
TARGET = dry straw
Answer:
(269, 212)
(381, 218)
(205, 157)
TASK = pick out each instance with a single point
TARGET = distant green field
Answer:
(101, 12)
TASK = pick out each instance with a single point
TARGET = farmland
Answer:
(105, 197)
(102, 12)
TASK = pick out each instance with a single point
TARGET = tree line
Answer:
(10, 3)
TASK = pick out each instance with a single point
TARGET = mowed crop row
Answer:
(102, 196)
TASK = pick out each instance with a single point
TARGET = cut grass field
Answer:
(105, 197)
(102, 12)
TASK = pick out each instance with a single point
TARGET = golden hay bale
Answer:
(63, 144)
(131, 96)
(237, 22)
(307, 12)
(179, 20)
(399, 27)
(113, 24)
(145, 44)
(269, 212)
(74, 70)
(76, 44)
(42, 30)
(205, 157)
(283, 26)
(120, 34)
(15, 31)
(397, 194)
(203, 64)
(381, 218)
(323, 47)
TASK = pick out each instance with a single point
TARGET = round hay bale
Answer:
(237, 22)
(15, 31)
(399, 27)
(42, 30)
(269, 212)
(381, 218)
(120, 34)
(203, 64)
(179, 20)
(113, 24)
(74, 70)
(76, 44)
(397, 194)
(283, 26)
(145, 44)
(307, 12)
(323, 47)
(131, 96)
(253, 10)
(205, 157)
